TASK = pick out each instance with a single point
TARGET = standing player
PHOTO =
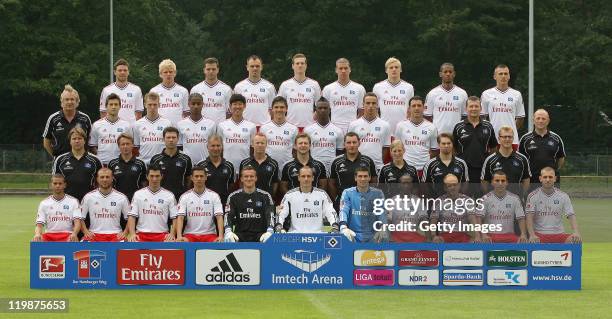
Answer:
(450, 209)
(237, 132)
(393, 94)
(374, 133)
(55, 135)
(327, 138)
(215, 93)
(393, 171)
(300, 92)
(279, 133)
(445, 104)
(153, 206)
(106, 208)
(149, 130)
(409, 214)
(172, 96)
(345, 96)
(195, 130)
(104, 133)
(129, 173)
(266, 167)
(250, 211)
(503, 104)
(445, 163)
(290, 172)
(58, 215)
(202, 209)
(258, 92)
(220, 174)
(130, 94)
(175, 165)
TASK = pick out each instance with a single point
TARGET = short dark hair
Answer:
(351, 134)
(211, 60)
(445, 135)
(120, 62)
(198, 168)
(500, 173)
(237, 98)
(112, 96)
(195, 96)
(58, 176)
(415, 98)
(370, 94)
(254, 57)
(280, 99)
(153, 167)
(362, 169)
(170, 129)
(248, 168)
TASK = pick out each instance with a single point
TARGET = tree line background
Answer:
(46, 44)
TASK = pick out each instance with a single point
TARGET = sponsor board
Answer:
(462, 277)
(462, 258)
(507, 277)
(51, 267)
(151, 267)
(507, 258)
(374, 258)
(419, 258)
(373, 277)
(418, 277)
(551, 258)
(311, 268)
(89, 263)
(237, 267)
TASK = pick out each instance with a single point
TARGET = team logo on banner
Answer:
(51, 267)
(89, 263)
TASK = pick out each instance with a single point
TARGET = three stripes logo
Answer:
(227, 267)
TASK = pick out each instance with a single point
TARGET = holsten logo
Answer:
(151, 267)
(507, 277)
(463, 258)
(418, 277)
(238, 267)
(507, 258)
(419, 258)
(308, 262)
(374, 257)
(551, 258)
(462, 277)
(51, 267)
(373, 277)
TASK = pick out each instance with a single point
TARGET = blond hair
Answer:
(70, 90)
(167, 64)
(392, 60)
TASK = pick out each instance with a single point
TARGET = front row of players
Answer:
(250, 214)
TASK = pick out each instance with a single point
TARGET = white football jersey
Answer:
(393, 101)
(149, 137)
(280, 140)
(549, 210)
(200, 211)
(131, 100)
(105, 211)
(418, 140)
(301, 97)
(259, 96)
(103, 136)
(216, 99)
(374, 136)
(344, 101)
(446, 107)
(173, 101)
(325, 141)
(503, 108)
(194, 137)
(57, 215)
(502, 211)
(236, 140)
(307, 210)
(153, 210)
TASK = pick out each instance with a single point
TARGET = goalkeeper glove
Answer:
(347, 232)
(278, 228)
(335, 228)
(266, 235)
(230, 237)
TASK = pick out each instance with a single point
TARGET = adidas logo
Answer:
(228, 270)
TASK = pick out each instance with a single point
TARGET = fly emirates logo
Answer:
(151, 267)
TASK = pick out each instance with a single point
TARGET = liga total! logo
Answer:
(419, 258)
(151, 267)
(373, 277)
(51, 267)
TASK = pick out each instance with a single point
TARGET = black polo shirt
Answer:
(291, 171)
(390, 174)
(80, 174)
(57, 129)
(219, 178)
(267, 171)
(472, 143)
(128, 176)
(516, 167)
(435, 170)
(343, 170)
(541, 151)
(175, 170)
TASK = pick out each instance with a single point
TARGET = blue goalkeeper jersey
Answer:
(356, 212)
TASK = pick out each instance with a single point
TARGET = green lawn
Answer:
(593, 301)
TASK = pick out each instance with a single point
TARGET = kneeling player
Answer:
(250, 211)
(545, 209)
(452, 215)
(152, 206)
(59, 214)
(503, 208)
(307, 205)
(410, 214)
(201, 208)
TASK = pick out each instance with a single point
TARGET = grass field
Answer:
(593, 301)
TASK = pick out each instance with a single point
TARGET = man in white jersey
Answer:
(172, 96)
(307, 206)
(105, 207)
(545, 209)
(446, 103)
(418, 135)
(258, 92)
(149, 130)
(374, 132)
(301, 93)
(236, 132)
(130, 94)
(195, 130)
(503, 104)
(280, 133)
(153, 206)
(393, 94)
(215, 93)
(105, 131)
(58, 215)
(327, 138)
(199, 209)
(345, 96)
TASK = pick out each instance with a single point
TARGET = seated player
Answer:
(201, 208)
(105, 207)
(59, 214)
(502, 207)
(454, 214)
(545, 209)
(410, 214)
(306, 206)
(152, 206)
